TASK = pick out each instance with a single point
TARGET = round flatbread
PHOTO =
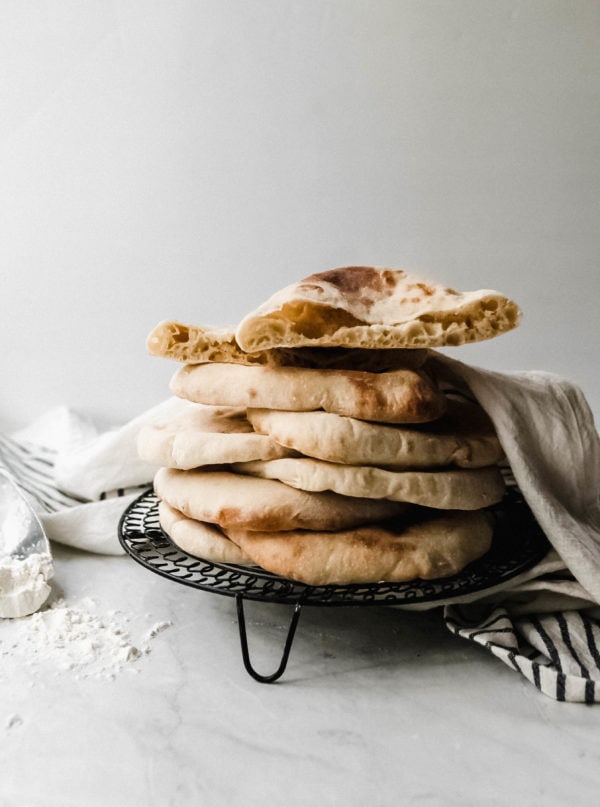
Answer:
(371, 307)
(442, 489)
(198, 538)
(397, 551)
(463, 437)
(205, 435)
(230, 499)
(398, 396)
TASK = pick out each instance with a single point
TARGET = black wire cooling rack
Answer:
(518, 544)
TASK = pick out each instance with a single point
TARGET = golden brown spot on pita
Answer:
(355, 279)
(367, 395)
(229, 516)
(369, 541)
(297, 552)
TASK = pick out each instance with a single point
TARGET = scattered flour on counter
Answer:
(158, 628)
(73, 636)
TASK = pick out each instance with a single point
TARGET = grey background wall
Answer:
(186, 159)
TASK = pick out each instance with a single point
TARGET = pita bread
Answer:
(463, 437)
(195, 344)
(199, 539)
(205, 435)
(398, 396)
(443, 489)
(431, 548)
(229, 499)
(199, 344)
(368, 307)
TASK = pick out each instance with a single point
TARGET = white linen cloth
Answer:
(545, 624)
(79, 479)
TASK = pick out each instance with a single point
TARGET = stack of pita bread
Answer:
(316, 441)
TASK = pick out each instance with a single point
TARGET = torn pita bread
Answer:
(369, 307)
(396, 551)
(198, 538)
(442, 489)
(229, 499)
(205, 435)
(463, 437)
(398, 396)
(195, 344)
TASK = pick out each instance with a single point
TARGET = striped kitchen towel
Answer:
(558, 652)
(545, 626)
(32, 467)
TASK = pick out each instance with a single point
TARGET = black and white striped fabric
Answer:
(32, 468)
(557, 652)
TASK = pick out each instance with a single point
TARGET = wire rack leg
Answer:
(265, 679)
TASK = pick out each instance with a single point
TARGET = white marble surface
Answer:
(377, 706)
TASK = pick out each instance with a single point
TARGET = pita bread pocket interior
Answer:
(463, 437)
(371, 307)
(229, 499)
(398, 396)
(396, 551)
(196, 344)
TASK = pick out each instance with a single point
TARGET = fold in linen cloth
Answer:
(546, 627)
(545, 624)
(79, 479)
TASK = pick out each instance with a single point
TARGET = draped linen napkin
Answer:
(78, 478)
(547, 625)
(544, 624)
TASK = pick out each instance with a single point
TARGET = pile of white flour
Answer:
(72, 635)
(24, 583)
